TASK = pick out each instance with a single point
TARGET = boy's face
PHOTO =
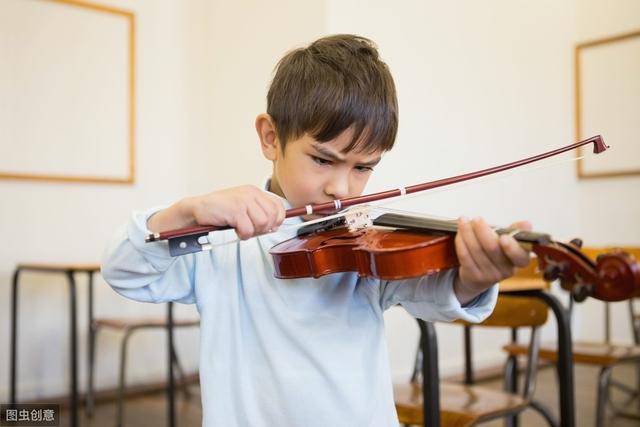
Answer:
(312, 172)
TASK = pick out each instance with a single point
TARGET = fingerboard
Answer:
(431, 225)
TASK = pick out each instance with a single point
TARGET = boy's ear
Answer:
(268, 137)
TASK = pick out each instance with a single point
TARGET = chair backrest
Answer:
(514, 312)
(510, 312)
(593, 252)
(518, 311)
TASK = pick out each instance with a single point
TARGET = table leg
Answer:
(14, 337)
(511, 379)
(468, 356)
(73, 405)
(430, 375)
(170, 377)
(90, 399)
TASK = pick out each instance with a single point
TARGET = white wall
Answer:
(609, 209)
(53, 222)
(479, 83)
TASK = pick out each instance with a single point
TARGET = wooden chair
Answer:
(128, 327)
(603, 354)
(466, 405)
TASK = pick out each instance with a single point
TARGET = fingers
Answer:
(486, 258)
(263, 214)
(249, 210)
(462, 249)
(516, 254)
(244, 226)
(274, 209)
(486, 262)
(489, 243)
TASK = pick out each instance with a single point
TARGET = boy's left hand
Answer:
(485, 258)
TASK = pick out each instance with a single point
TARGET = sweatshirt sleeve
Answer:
(146, 272)
(432, 298)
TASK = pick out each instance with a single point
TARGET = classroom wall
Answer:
(60, 222)
(479, 83)
(609, 208)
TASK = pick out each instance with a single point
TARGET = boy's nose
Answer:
(338, 187)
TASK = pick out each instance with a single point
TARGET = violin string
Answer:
(429, 217)
(411, 213)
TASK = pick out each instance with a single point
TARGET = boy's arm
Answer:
(432, 298)
(178, 215)
(249, 210)
(146, 272)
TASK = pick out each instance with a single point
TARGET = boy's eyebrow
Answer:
(372, 163)
(333, 156)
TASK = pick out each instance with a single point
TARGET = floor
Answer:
(151, 410)
(586, 382)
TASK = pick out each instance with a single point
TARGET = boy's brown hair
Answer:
(335, 83)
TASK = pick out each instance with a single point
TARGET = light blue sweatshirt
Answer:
(278, 353)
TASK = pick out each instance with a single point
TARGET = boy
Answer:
(303, 352)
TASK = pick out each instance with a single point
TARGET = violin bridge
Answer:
(357, 219)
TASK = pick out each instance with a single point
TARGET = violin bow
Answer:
(189, 236)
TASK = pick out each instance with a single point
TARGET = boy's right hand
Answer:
(249, 210)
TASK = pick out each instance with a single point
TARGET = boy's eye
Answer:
(320, 160)
(364, 168)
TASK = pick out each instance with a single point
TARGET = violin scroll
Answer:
(620, 276)
(614, 276)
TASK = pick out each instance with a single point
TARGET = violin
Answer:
(400, 247)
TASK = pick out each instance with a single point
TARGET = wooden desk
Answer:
(517, 283)
(69, 270)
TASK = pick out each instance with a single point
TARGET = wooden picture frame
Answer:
(607, 102)
(71, 49)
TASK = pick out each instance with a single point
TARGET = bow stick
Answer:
(194, 233)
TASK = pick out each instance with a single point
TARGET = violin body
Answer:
(388, 254)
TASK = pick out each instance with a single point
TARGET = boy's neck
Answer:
(274, 187)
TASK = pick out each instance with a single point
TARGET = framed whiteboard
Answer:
(67, 95)
(608, 103)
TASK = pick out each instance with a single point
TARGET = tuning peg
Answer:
(577, 242)
(580, 292)
(551, 272)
